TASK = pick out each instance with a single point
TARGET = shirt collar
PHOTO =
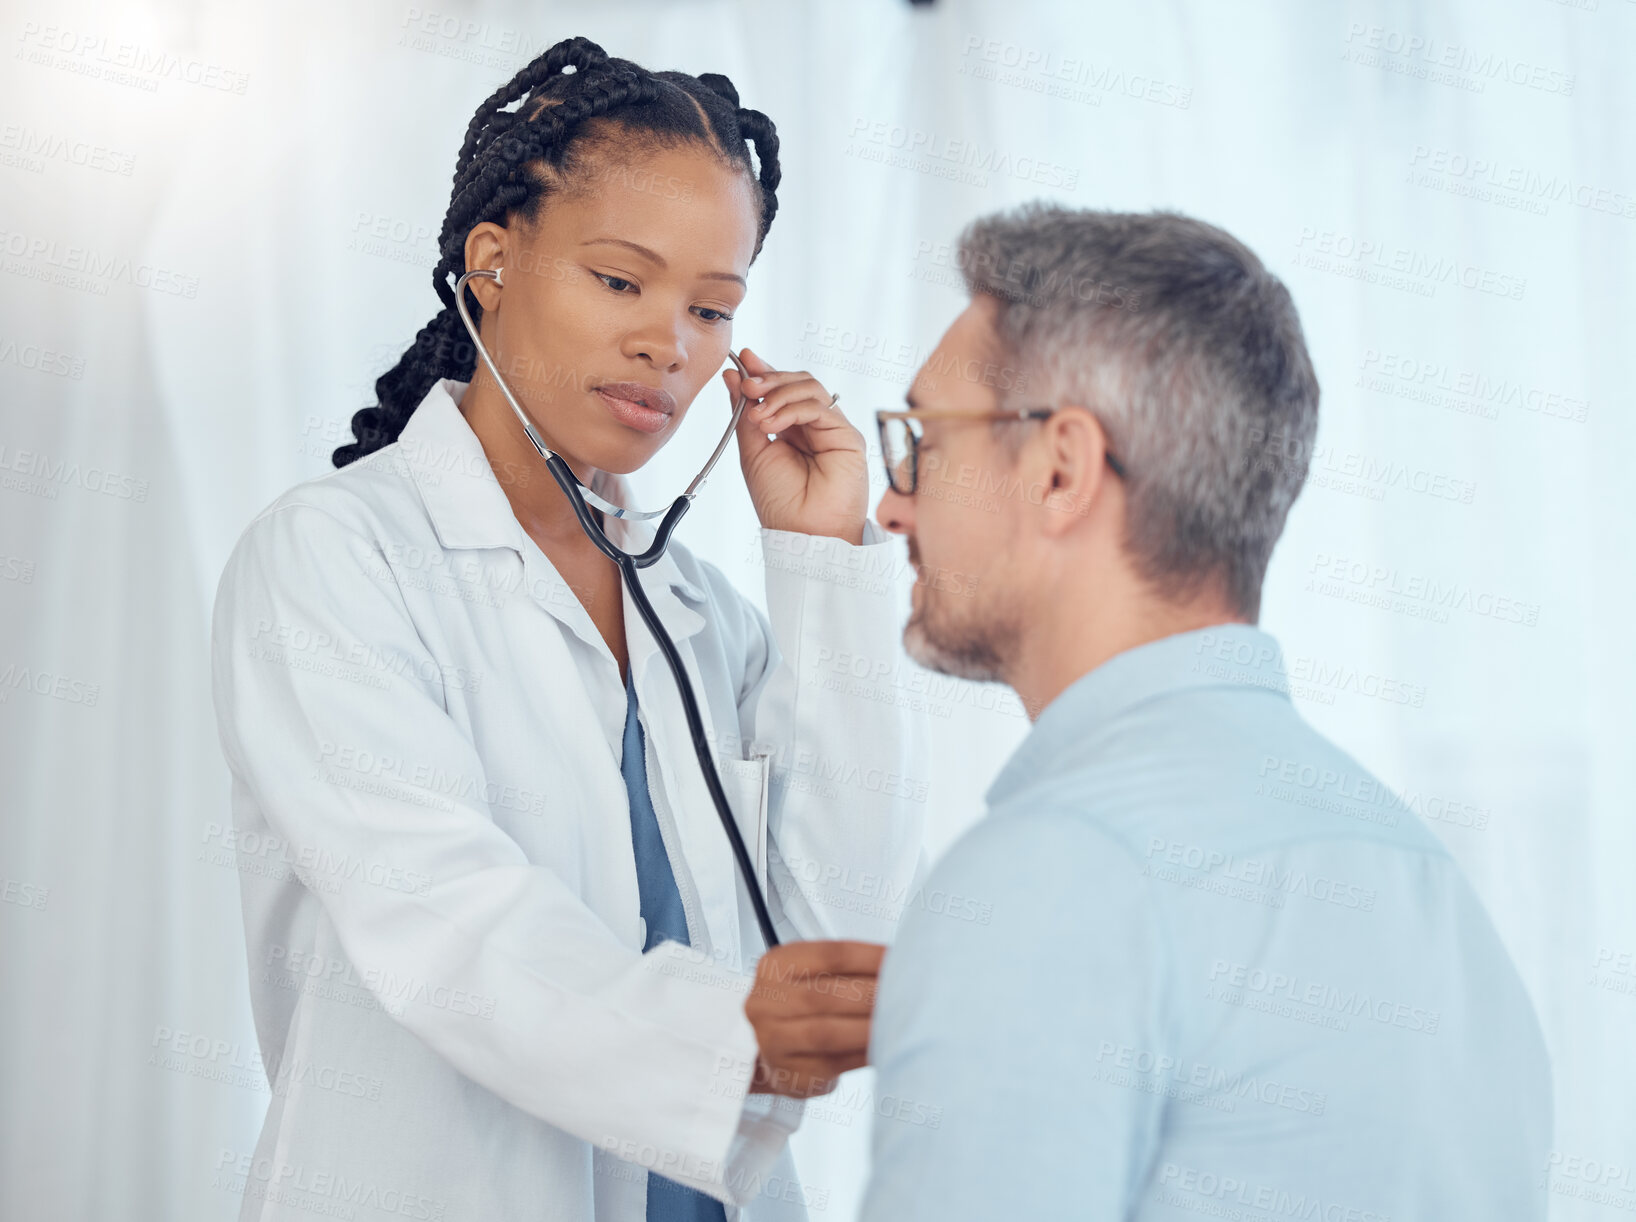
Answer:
(1222, 655)
(468, 507)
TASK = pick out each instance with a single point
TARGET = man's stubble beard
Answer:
(965, 637)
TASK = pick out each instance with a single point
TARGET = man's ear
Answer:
(1075, 472)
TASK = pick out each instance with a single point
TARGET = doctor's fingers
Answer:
(841, 1052)
(823, 423)
(773, 388)
(785, 387)
(777, 996)
(824, 1038)
(821, 977)
(764, 371)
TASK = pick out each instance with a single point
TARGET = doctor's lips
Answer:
(646, 408)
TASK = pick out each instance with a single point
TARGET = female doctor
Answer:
(499, 953)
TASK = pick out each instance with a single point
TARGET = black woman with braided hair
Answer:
(502, 964)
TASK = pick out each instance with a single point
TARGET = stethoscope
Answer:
(578, 496)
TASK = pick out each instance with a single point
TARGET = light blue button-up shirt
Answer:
(1212, 968)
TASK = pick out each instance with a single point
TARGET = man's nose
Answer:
(896, 512)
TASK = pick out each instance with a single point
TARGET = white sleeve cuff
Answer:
(762, 1123)
(763, 1129)
(792, 559)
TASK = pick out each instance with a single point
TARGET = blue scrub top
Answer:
(665, 919)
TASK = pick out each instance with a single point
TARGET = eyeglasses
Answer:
(901, 432)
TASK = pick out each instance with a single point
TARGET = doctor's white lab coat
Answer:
(433, 840)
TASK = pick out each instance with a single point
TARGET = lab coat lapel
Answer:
(709, 859)
(469, 509)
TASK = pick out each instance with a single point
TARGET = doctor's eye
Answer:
(616, 283)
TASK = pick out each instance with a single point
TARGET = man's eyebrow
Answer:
(658, 260)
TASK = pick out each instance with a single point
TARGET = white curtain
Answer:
(215, 229)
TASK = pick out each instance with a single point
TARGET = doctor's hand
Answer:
(810, 1007)
(814, 478)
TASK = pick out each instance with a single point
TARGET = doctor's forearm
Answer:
(847, 826)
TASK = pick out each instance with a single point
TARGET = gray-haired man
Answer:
(1225, 973)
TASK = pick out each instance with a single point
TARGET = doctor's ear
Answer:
(485, 285)
(486, 249)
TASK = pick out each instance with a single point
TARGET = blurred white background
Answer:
(216, 227)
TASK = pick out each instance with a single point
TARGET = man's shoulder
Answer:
(1249, 824)
(1043, 868)
(1203, 774)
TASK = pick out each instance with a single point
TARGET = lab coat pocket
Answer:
(746, 784)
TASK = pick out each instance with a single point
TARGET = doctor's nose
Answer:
(659, 345)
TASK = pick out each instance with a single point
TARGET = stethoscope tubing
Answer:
(628, 566)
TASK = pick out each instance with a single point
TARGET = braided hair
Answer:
(511, 159)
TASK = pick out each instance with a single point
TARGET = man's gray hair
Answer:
(1190, 353)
